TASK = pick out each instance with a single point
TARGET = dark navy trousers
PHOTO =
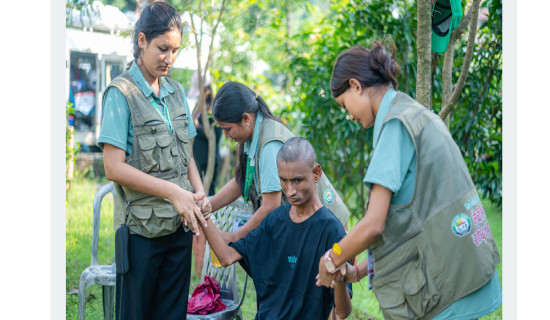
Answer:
(157, 284)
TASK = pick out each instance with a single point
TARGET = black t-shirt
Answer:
(282, 257)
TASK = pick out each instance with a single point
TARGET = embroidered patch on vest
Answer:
(461, 225)
(329, 196)
(482, 234)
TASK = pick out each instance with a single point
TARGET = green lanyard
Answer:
(249, 178)
(166, 118)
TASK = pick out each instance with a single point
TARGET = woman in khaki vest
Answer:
(145, 137)
(245, 118)
(240, 112)
(430, 245)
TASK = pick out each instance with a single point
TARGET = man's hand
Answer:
(324, 278)
(204, 205)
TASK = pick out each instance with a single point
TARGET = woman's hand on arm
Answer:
(270, 201)
(117, 170)
(350, 273)
(361, 235)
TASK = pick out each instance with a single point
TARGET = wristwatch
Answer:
(331, 268)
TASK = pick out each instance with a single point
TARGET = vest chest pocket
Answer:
(403, 290)
(154, 146)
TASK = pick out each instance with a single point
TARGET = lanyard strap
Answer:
(249, 178)
(166, 117)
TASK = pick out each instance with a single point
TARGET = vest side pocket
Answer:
(152, 222)
(403, 288)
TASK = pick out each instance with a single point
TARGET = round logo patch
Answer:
(461, 224)
(329, 196)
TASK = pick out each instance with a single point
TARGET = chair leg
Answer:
(108, 302)
(82, 299)
(239, 315)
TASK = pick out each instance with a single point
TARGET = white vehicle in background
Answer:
(96, 52)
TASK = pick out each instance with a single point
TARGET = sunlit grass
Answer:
(79, 240)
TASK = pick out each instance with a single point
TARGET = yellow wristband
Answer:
(336, 249)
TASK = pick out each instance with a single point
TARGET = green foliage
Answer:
(71, 145)
(476, 124)
(343, 146)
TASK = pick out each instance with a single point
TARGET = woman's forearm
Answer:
(227, 194)
(368, 229)
(117, 170)
(194, 177)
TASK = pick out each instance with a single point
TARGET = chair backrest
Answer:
(105, 189)
(224, 220)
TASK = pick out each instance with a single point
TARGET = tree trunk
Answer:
(424, 53)
(450, 92)
(198, 246)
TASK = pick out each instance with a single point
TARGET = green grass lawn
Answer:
(79, 243)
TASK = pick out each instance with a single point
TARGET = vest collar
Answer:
(251, 145)
(382, 111)
(165, 87)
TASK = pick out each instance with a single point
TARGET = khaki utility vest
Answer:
(438, 248)
(271, 130)
(157, 152)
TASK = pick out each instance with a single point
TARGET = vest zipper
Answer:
(178, 167)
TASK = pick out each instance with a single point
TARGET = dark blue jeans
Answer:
(157, 284)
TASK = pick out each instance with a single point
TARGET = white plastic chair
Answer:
(104, 275)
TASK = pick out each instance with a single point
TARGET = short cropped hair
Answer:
(297, 149)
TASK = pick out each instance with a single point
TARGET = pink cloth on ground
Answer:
(206, 298)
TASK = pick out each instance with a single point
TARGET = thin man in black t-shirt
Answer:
(282, 253)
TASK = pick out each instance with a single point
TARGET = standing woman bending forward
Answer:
(145, 137)
(434, 254)
(245, 118)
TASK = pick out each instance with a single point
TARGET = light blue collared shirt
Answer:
(116, 125)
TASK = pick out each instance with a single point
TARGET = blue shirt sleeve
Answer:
(191, 124)
(268, 167)
(393, 163)
(116, 123)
